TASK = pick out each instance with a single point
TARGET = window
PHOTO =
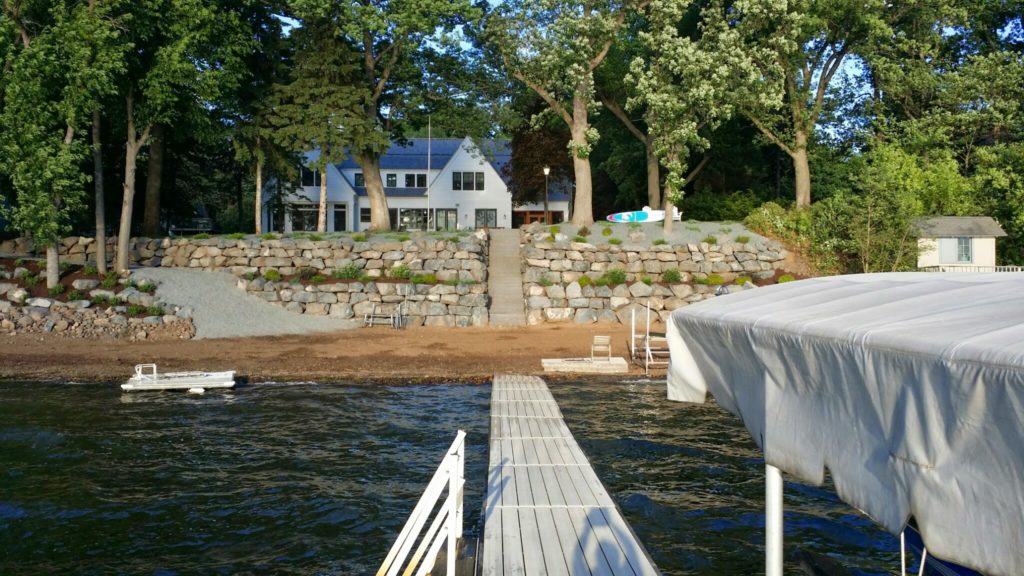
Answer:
(412, 219)
(446, 219)
(392, 180)
(467, 180)
(340, 217)
(963, 250)
(393, 216)
(421, 180)
(364, 214)
(309, 177)
(410, 180)
(486, 218)
(360, 181)
(415, 180)
(304, 219)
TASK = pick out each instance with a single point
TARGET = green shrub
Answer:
(57, 290)
(672, 276)
(90, 270)
(579, 239)
(75, 295)
(109, 280)
(451, 282)
(316, 237)
(786, 278)
(711, 280)
(602, 281)
(660, 242)
(453, 239)
(19, 262)
(272, 276)
(364, 278)
(742, 280)
(99, 300)
(307, 273)
(607, 231)
(646, 280)
(583, 231)
(268, 236)
(403, 237)
(614, 276)
(147, 287)
(154, 311)
(236, 236)
(400, 272)
(200, 236)
(710, 239)
(64, 265)
(585, 281)
(544, 281)
(634, 226)
(725, 229)
(116, 301)
(250, 276)
(135, 310)
(743, 239)
(359, 237)
(614, 241)
(346, 272)
(554, 229)
(424, 279)
(30, 280)
(318, 278)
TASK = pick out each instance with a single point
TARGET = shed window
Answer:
(963, 250)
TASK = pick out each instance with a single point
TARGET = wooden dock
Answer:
(546, 512)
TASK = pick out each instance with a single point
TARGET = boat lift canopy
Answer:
(908, 387)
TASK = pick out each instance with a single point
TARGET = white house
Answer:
(952, 243)
(454, 181)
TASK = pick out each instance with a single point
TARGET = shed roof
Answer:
(956, 226)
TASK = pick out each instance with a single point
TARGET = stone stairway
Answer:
(505, 280)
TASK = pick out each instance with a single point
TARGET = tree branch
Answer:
(619, 113)
(696, 170)
(14, 13)
(542, 92)
(827, 72)
(396, 50)
(769, 134)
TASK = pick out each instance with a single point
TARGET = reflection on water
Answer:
(304, 478)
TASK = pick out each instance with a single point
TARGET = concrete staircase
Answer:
(504, 279)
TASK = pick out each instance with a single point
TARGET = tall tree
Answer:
(394, 42)
(554, 47)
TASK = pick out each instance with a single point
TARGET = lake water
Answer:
(318, 479)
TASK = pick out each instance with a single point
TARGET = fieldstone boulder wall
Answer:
(566, 281)
(79, 319)
(449, 304)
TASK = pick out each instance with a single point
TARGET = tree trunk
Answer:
(802, 171)
(653, 175)
(52, 265)
(379, 218)
(321, 215)
(101, 208)
(669, 211)
(124, 230)
(154, 178)
(583, 207)
(259, 197)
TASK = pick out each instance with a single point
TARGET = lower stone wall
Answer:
(421, 304)
(553, 273)
(81, 320)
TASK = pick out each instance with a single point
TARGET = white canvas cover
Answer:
(908, 387)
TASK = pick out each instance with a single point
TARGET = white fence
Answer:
(446, 526)
(967, 268)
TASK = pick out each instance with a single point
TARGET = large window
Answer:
(309, 177)
(364, 214)
(963, 250)
(340, 217)
(360, 181)
(446, 219)
(304, 219)
(486, 218)
(392, 180)
(467, 180)
(415, 180)
(412, 219)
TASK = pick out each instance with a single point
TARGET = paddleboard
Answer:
(645, 215)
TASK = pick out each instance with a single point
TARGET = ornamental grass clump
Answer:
(424, 279)
(579, 239)
(710, 239)
(57, 290)
(614, 241)
(74, 295)
(743, 239)
(347, 272)
(710, 280)
(785, 278)
(400, 272)
(272, 276)
(614, 276)
(607, 231)
(585, 281)
(672, 276)
(109, 280)
(660, 242)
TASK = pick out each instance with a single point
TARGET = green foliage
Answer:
(56, 290)
(710, 239)
(715, 206)
(725, 230)
(710, 280)
(250, 276)
(74, 295)
(742, 280)
(317, 279)
(116, 301)
(135, 310)
(307, 273)
(200, 236)
(269, 236)
(585, 281)
(364, 278)
(64, 266)
(154, 311)
(633, 226)
(400, 272)
(544, 281)
(554, 230)
(272, 276)
(615, 241)
(743, 239)
(583, 231)
(786, 278)
(359, 237)
(579, 239)
(347, 272)
(316, 237)
(147, 287)
(646, 280)
(402, 237)
(109, 280)
(99, 300)
(236, 236)
(30, 280)
(423, 279)
(90, 270)
(672, 276)
(660, 242)
(606, 231)
(614, 276)
(19, 262)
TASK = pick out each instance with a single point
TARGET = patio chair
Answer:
(601, 344)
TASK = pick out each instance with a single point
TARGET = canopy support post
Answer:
(773, 520)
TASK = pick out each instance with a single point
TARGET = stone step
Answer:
(504, 279)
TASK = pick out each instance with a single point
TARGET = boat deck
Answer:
(546, 512)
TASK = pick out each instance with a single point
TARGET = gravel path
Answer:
(221, 310)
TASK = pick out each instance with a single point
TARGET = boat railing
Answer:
(969, 268)
(140, 372)
(446, 527)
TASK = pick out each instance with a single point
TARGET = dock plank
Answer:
(546, 511)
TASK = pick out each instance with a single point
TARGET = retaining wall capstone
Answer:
(552, 269)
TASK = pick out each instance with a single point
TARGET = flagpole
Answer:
(428, 174)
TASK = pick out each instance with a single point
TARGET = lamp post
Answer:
(547, 215)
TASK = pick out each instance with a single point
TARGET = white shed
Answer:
(958, 243)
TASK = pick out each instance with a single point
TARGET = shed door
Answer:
(947, 250)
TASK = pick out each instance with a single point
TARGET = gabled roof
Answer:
(389, 192)
(412, 154)
(957, 226)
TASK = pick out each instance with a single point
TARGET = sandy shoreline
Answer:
(378, 355)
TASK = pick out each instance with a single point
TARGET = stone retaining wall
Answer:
(421, 304)
(81, 319)
(552, 271)
(464, 260)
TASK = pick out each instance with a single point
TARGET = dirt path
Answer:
(367, 354)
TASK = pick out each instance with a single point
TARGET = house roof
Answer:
(957, 226)
(396, 192)
(412, 154)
